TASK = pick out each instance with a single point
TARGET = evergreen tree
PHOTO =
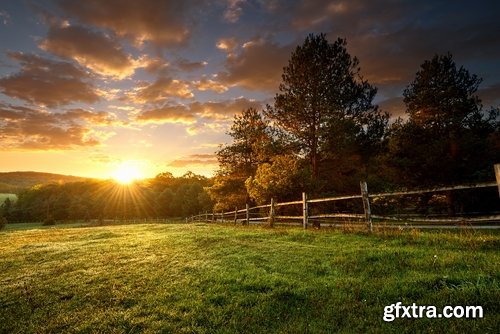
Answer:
(324, 104)
(448, 137)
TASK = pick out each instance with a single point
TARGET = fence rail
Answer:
(245, 216)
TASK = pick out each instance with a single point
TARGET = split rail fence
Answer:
(267, 213)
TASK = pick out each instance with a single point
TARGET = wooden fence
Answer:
(267, 213)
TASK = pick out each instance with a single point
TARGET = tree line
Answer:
(163, 196)
(324, 134)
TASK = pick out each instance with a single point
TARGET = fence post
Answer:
(497, 174)
(271, 213)
(247, 217)
(305, 213)
(213, 216)
(366, 205)
(235, 215)
(206, 216)
(222, 216)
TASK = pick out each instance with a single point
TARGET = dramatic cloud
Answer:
(45, 82)
(92, 49)
(258, 65)
(160, 90)
(168, 114)
(156, 66)
(223, 110)
(34, 129)
(194, 160)
(207, 84)
(188, 114)
(392, 39)
(161, 22)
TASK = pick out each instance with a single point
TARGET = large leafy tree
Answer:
(252, 145)
(324, 103)
(448, 137)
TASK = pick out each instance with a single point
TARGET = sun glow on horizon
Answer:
(127, 172)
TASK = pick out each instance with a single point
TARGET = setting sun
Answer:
(126, 173)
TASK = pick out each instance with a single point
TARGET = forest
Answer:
(322, 135)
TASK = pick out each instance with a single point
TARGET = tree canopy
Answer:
(324, 105)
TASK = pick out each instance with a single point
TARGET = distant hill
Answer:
(14, 182)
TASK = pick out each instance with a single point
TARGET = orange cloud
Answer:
(35, 129)
(161, 22)
(45, 82)
(207, 84)
(223, 110)
(168, 114)
(160, 90)
(227, 44)
(156, 66)
(195, 160)
(92, 49)
(188, 114)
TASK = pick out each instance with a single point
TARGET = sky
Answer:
(88, 87)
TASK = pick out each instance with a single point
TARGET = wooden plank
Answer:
(415, 192)
(260, 206)
(339, 215)
(441, 220)
(288, 203)
(289, 217)
(260, 218)
(330, 199)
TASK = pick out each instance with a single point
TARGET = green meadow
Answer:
(203, 278)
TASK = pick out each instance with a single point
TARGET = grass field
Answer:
(175, 278)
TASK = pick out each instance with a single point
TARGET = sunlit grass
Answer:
(202, 278)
